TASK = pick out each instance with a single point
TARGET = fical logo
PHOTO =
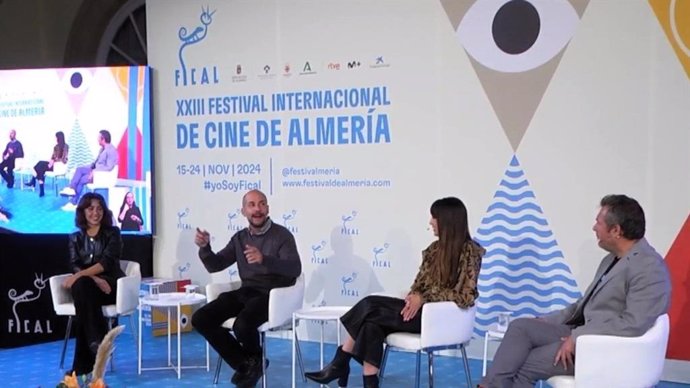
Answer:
(232, 219)
(316, 256)
(27, 326)
(347, 229)
(195, 75)
(380, 258)
(348, 288)
(181, 269)
(287, 221)
(181, 215)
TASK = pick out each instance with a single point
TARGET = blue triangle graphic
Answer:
(523, 271)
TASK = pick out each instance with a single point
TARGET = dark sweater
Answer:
(281, 264)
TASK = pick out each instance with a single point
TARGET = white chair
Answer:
(604, 361)
(126, 300)
(282, 302)
(444, 326)
(59, 171)
(103, 179)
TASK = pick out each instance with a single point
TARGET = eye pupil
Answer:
(516, 26)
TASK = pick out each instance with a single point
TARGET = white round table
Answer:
(171, 300)
(320, 314)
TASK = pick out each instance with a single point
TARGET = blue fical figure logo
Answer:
(181, 269)
(347, 230)
(287, 217)
(25, 325)
(232, 216)
(180, 222)
(232, 271)
(349, 291)
(315, 257)
(379, 260)
(190, 38)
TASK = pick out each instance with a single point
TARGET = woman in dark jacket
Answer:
(130, 215)
(95, 252)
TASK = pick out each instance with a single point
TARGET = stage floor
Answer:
(37, 365)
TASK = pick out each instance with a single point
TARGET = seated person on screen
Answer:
(13, 150)
(130, 215)
(267, 258)
(95, 251)
(106, 161)
(630, 290)
(449, 272)
(60, 152)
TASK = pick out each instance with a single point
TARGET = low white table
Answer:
(171, 300)
(320, 314)
(493, 334)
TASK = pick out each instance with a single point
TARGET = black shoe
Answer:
(30, 183)
(41, 190)
(338, 368)
(242, 372)
(254, 373)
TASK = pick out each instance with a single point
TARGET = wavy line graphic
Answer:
(523, 271)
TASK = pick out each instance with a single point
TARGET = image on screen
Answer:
(52, 123)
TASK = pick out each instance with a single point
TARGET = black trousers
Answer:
(90, 324)
(7, 171)
(371, 320)
(250, 308)
(41, 168)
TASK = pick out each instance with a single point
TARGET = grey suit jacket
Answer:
(628, 300)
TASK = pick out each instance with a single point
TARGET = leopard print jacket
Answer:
(464, 292)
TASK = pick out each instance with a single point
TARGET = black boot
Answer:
(32, 182)
(41, 192)
(371, 381)
(338, 368)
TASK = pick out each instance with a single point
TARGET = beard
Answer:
(260, 224)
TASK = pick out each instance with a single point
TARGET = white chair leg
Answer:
(431, 369)
(466, 364)
(384, 360)
(216, 374)
(64, 344)
(112, 355)
(417, 368)
(263, 360)
(134, 332)
(300, 361)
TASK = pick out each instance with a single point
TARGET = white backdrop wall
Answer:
(530, 141)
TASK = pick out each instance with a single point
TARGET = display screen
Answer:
(42, 179)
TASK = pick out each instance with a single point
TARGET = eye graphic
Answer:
(76, 81)
(513, 36)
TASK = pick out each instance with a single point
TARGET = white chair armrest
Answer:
(127, 298)
(59, 294)
(444, 324)
(638, 356)
(215, 289)
(283, 301)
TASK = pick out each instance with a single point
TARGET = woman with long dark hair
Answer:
(95, 251)
(449, 272)
(60, 152)
(130, 215)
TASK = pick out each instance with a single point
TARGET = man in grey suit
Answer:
(631, 289)
(106, 161)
